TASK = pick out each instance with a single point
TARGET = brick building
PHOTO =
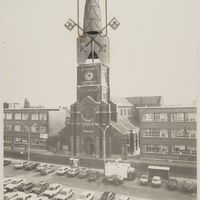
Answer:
(168, 132)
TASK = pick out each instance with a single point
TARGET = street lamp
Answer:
(104, 141)
(28, 129)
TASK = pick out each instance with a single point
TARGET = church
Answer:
(98, 124)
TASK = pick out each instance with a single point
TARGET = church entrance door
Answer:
(88, 146)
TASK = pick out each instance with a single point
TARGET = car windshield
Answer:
(144, 176)
(156, 179)
(82, 196)
(51, 188)
(63, 192)
(14, 182)
(22, 184)
(105, 195)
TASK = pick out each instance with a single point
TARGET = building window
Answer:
(177, 117)
(190, 134)
(34, 116)
(25, 116)
(158, 149)
(190, 117)
(24, 141)
(42, 141)
(7, 140)
(17, 128)
(156, 133)
(34, 128)
(178, 149)
(34, 141)
(88, 127)
(191, 150)
(161, 117)
(8, 127)
(43, 116)
(18, 116)
(148, 117)
(17, 140)
(8, 115)
(178, 133)
(121, 110)
(43, 129)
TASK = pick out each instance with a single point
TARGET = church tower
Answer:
(93, 109)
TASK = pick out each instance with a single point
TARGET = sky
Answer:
(153, 52)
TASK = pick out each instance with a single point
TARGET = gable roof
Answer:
(120, 101)
(146, 101)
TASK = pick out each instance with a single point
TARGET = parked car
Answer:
(41, 166)
(24, 196)
(14, 183)
(144, 179)
(156, 181)
(20, 165)
(6, 162)
(73, 171)
(85, 196)
(7, 180)
(65, 194)
(10, 195)
(124, 197)
(93, 175)
(188, 186)
(25, 186)
(47, 170)
(84, 172)
(63, 170)
(31, 166)
(114, 179)
(42, 198)
(40, 187)
(172, 184)
(108, 196)
(52, 190)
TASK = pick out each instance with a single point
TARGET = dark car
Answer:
(114, 179)
(108, 196)
(6, 162)
(40, 187)
(172, 184)
(84, 172)
(93, 176)
(31, 166)
(188, 186)
(25, 186)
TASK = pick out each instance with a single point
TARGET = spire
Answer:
(92, 17)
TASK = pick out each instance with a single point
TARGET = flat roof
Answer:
(167, 106)
(159, 167)
(31, 109)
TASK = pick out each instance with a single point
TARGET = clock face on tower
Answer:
(89, 75)
(87, 113)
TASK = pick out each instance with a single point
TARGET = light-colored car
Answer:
(7, 180)
(24, 196)
(42, 198)
(52, 190)
(42, 166)
(65, 194)
(10, 195)
(73, 171)
(63, 170)
(86, 195)
(156, 181)
(124, 197)
(14, 183)
(144, 179)
(47, 170)
(20, 165)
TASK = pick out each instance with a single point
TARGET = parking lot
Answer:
(131, 188)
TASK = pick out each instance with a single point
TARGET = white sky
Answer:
(154, 51)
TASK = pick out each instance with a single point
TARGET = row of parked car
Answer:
(172, 183)
(23, 189)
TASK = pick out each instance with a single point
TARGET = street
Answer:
(131, 188)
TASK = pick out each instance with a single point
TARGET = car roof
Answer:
(66, 189)
(156, 177)
(55, 184)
